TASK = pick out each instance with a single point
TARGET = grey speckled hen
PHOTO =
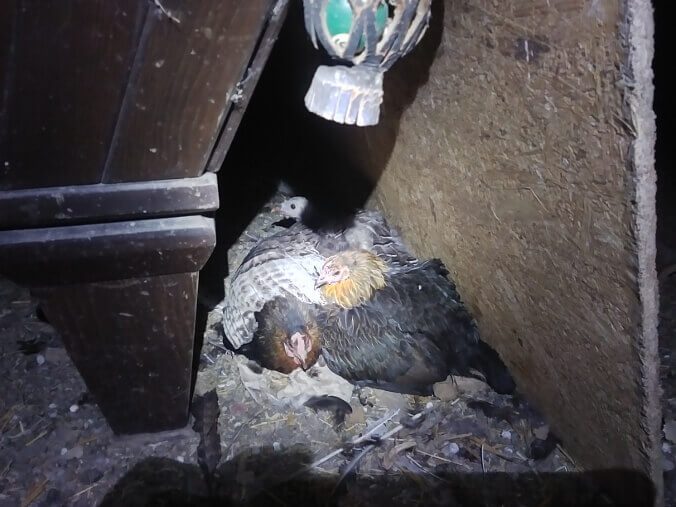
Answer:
(286, 264)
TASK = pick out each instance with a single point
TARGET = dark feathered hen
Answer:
(286, 264)
(287, 336)
(401, 329)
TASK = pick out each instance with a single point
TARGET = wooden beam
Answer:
(42, 207)
(179, 89)
(68, 63)
(245, 88)
(132, 342)
(88, 253)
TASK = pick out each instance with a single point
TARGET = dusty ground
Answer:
(667, 329)
(56, 448)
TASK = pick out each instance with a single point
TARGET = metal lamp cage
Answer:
(353, 95)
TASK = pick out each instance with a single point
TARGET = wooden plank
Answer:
(87, 253)
(132, 342)
(8, 16)
(247, 86)
(42, 207)
(180, 87)
(71, 61)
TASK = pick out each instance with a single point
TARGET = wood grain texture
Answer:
(97, 252)
(70, 61)
(524, 162)
(132, 342)
(180, 88)
(80, 204)
(246, 87)
(8, 16)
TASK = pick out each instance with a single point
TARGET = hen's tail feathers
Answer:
(488, 362)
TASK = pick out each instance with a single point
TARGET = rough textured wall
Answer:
(525, 162)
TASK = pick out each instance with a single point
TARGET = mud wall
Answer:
(524, 159)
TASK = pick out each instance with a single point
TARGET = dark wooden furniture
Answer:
(114, 116)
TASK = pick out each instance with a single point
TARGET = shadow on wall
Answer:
(256, 479)
(336, 166)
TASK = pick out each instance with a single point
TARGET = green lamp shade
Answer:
(339, 20)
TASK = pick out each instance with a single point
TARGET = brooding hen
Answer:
(361, 230)
(287, 336)
(400, 328)
(282, 265)
(286, 264)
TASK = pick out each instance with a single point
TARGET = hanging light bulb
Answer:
(371, 35)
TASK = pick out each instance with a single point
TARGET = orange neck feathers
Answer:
(366, 275)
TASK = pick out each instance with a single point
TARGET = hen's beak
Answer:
(320, 283)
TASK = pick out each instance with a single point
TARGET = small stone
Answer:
(508, 450)
(180, 459)
(52, 405)
(667, 465)
(277, 446)
(63, 451)
(666, 448)
(467, 385)
(445, 391)
(74, 408)
(541, 432)
(76, 452)
(40, 359)
(453, 448)
(670, 431)
(356, 417)
(429, 405)
(506, 434)
(387, 399)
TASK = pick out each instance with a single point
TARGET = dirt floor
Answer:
(465, 446)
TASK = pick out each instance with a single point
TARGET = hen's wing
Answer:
(365, 230)
(412, 333)
(371, 232)
(369, 348)
(425, 301)
(428, 306)
(284, 264)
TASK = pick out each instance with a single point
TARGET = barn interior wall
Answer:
(515, 143)
(516, 155)
(524, 160)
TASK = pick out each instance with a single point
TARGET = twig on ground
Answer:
(36, 438)
(34, 493)
(82, 492)
(445, 460)
(357, 440)
(166, 12)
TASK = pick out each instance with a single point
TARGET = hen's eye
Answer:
(335, 273)
(293, 206)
